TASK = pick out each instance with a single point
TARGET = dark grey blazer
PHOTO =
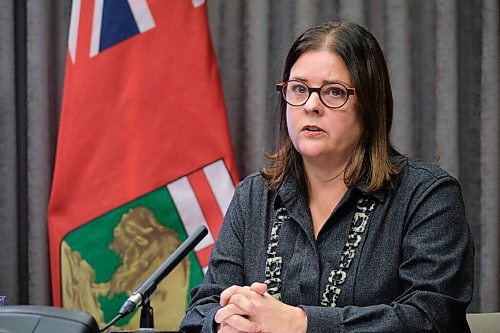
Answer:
(412, 270)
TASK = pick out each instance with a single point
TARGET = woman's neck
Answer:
(327, 175)
(326, 187)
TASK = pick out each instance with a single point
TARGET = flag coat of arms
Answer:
(143, 156)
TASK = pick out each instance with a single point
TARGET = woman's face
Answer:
(320, 133)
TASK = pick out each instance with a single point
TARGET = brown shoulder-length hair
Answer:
(366, 63)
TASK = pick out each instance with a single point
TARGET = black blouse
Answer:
(412, 270)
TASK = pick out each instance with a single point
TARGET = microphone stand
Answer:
(140, 297)
(147, 317)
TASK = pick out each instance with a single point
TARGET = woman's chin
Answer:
(312, 153)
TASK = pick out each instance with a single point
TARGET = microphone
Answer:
(148, 287)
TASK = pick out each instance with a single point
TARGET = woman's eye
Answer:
(299, 89)
(336, 92)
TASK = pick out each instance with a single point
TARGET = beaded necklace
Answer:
(337, 277)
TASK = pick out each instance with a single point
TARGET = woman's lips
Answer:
(312, 130)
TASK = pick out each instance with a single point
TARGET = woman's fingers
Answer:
(227, 311)
(233, 316)
(259, 288)
(238, 307)
(243, 302)
(225, 328)
(226, 294)
(242, 324)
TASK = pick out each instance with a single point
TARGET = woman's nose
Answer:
(314, 104)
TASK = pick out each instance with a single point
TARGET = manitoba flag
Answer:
(143, 156)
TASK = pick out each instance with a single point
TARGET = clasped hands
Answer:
(252, 309)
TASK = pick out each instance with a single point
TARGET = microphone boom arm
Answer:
(142, 294)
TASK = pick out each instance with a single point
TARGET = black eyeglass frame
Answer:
(350, 91)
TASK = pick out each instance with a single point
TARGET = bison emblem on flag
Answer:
(131, 241)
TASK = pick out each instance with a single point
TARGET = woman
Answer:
(340, 232)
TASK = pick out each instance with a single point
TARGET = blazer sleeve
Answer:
(436, 272)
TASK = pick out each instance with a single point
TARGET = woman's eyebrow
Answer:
(300, 78)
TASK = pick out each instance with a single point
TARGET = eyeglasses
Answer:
(332, 94)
